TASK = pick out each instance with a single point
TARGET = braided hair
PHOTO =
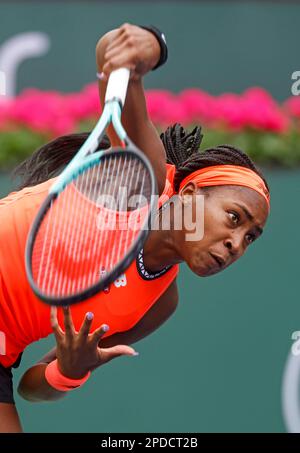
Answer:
(49, 160)
(182, 150)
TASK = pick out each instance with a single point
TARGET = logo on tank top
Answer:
(2, 343)
(119, 282)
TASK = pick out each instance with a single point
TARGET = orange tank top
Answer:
(25, 319)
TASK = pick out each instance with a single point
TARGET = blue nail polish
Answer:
(105, 328)
(90, 315)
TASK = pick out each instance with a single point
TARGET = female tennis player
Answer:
(105, 326)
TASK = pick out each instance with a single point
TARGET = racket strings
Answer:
(91, 226)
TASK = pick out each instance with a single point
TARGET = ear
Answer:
(188, 192)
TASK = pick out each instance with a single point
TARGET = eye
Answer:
(250, 238)
(234, 217)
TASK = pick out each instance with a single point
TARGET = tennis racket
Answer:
(97, 213)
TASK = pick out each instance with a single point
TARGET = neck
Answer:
(162, 248)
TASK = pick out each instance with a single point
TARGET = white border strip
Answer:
(290, 394)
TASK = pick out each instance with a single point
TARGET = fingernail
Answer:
(90, 315)
(100, 75)
(134, 354)
(105, 328)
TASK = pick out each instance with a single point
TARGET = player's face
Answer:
(234, 217)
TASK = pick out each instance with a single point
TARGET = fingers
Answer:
(118, 41)
(68, 322)
(121, 349)
(105, 355)
(58, 332)
(126, 32)
(131, 47)
(86, 325)
(123, 41)
(98, 334)
(122, 52)
(120, 61)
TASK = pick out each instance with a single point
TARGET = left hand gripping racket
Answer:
(97, 213)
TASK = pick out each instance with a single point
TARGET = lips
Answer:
(218, 259)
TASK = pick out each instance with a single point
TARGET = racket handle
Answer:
(117, 85)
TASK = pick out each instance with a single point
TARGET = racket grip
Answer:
(117, 85)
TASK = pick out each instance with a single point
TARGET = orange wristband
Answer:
(60, 382)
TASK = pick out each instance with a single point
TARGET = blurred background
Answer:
(222, 363)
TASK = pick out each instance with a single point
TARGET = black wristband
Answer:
(162, 43)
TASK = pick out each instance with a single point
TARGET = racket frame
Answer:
(86, 157)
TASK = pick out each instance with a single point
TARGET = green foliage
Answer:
(265, 148)
(16, 145)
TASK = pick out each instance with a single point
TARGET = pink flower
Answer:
(229, 111)
(159, 104)
(84, 104)
(5, 106)
(262, 112)
(292, 106)
(58, 113)
(42, 111)
(199, 106)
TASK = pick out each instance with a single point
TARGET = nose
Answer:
(234, 245)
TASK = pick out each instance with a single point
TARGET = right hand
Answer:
(129, 46)
(79, 352)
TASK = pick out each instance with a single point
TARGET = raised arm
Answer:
(137, 49)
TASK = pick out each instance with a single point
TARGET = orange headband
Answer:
(218, 175)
